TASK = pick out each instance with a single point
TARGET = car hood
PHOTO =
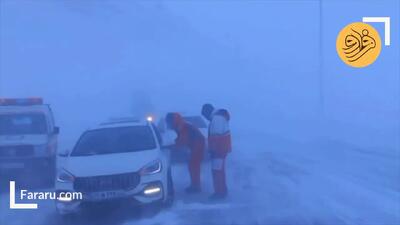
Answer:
(98, 165)
(7, 140)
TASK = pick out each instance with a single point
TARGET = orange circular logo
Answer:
(358, 44)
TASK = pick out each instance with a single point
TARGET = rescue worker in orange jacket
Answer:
(219, 145)
(191, 137)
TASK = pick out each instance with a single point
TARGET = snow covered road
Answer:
(295, 183)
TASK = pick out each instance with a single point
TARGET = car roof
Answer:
(25, 109)
(121, 122)
(192, 116)
(197, 121)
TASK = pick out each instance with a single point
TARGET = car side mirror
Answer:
(64, 154)
(56, 130)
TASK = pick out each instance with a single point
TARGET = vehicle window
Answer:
(115, 140)
(23, 124)
(197, 121)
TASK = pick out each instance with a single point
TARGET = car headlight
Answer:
(64, 176)
(151, 168)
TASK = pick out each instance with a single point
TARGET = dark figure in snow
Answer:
(219, 145)
(190, 137)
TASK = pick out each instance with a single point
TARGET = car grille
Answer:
(105, 183)
(16, 151)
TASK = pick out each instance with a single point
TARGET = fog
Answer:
(262, 60)
(273, 64)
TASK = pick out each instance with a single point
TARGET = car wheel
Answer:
(68, 217)
(50, 172)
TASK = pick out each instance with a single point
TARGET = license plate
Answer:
(12, 166)
(104, 195)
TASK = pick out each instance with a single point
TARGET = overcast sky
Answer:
(260, 59)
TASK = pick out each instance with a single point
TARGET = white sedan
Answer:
(121, 159)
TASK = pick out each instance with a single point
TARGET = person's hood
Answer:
(10, 140)
(207, 111)
(175, 121)
(108, 164)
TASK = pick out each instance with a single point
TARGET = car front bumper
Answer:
(144, 193)
(22, 162)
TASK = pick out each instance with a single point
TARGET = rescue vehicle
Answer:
(28, 136)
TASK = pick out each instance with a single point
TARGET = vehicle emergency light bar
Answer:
(20, 101)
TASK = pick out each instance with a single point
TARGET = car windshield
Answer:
(23, 124)
(115, 140)
(197, 121)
